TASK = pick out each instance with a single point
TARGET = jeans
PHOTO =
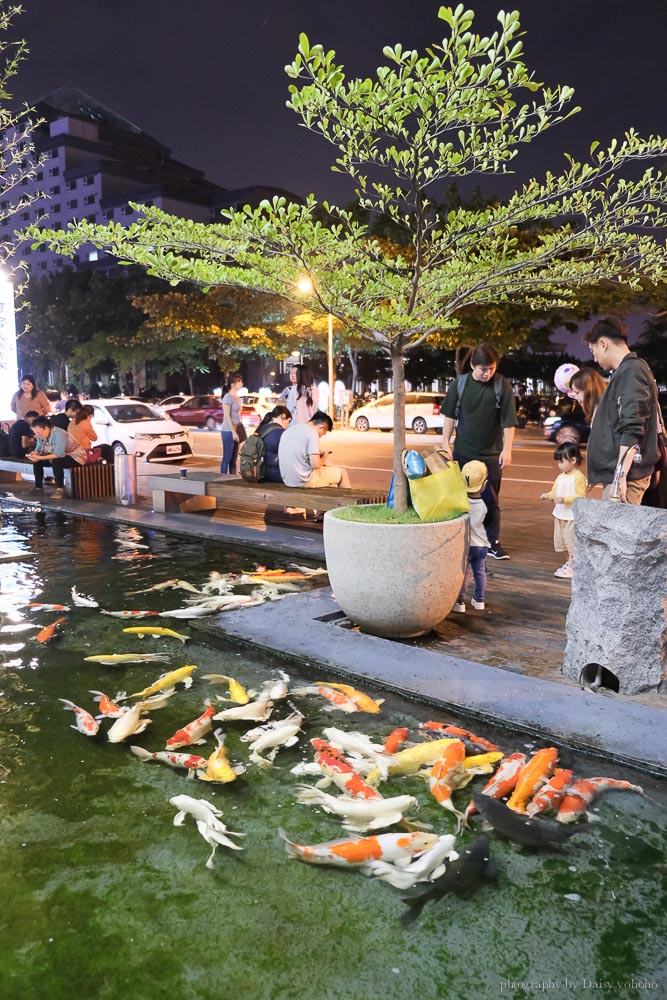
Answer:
(230, 449)
(58, 465)
(476, 562)
(489, 495)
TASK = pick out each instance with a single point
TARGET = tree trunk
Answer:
(398, 378)
(353, 355)
(461, 358)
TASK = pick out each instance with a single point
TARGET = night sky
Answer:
(206, 77)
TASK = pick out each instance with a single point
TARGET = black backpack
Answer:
(460, 386)
(252, 456)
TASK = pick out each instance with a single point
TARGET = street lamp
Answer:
(8, 357)
(305, 285)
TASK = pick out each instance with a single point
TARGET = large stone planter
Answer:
(396, 580)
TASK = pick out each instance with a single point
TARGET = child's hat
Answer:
(475, 475)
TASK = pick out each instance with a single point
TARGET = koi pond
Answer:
(103, 896)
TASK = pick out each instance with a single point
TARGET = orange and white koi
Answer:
(191, 762)
(360, 850)
(272, 736)
(47, 607)
(192, 734)
(472, 742)
(363, 701)
(128, 724)
(130, 614)
(183, 674)
(502, 783)
(581, 794)
(359, 814)
(536, 773)
(552, 794)
(85, 723)
(218, 767)
(396, 740)
(447, 774)
(336, 769)
(108, 708)
(338, 701)
(51, 631)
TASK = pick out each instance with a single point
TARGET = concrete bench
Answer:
(265, 500)
(12, 469)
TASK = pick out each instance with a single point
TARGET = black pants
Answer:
(489, 495)
(58, 465)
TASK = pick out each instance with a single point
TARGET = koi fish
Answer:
(339, 701)
(463, 877)
(501, 784)
(192, 733)
(406, 872)
(278, 689)
(363, 701)
(193, 612)
(273, 735)
(536, 773)
(82, 601)
(218, 767)
(191, 762)
(552, 794)
(159, 700)
(255, 711)
(237, 693)
(168, 633)
(167, 680)
(359, 814)
(360, 850)
(128, 724)
(358, 744)
(124, 544)
(112, 658)
(51, 631)
(205, 814)
(472, 743)
(396, 740)
(308, 571)
(130, 614)
(581, 794)
(85, 723)
(156, 586)
(338, 771)
(108, 708)
(412, 759)
(133, 556)
(47, 607)
(447, 774)
(529, 832)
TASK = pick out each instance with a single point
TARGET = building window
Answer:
(109, 213)
(73, 203)
(89, 199)
(42, 265)
(91, 218)
(54, 171)
(57, 225)
(40, 212)
(55, 189)
(24, 182)
(39, 176)
(88, 181)
(27, 250)
(71, 185)
(25, 216)
(93, 255)
(56, 208)
(128, 210)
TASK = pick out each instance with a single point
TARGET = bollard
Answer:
(125, 479)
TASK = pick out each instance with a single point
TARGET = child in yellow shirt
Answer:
(570, 484)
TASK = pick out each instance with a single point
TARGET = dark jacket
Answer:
(627, 414)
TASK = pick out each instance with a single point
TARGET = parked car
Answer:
(173, 402)
(568, 424)
(254, 407)
(199, 411)
(422, 413)
(136, 428)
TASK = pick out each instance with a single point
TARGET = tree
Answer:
(464, 108)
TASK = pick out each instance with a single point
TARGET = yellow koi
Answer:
(153, 630)
(237, 693)
(166, 681)
(483, 763)
(412, 759)
(218, 767)
(363, 701)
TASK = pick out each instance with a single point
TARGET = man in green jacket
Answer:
(627, 416)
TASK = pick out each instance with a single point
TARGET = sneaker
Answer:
(459, 606)
(35, 489)
(565, 572)
(57, 494)
(498, 552)
(477, 605)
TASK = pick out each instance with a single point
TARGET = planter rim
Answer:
(371, 526)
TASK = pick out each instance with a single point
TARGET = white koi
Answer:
(358, 743)
(129, 723)
(82, 600)
(406, 872)
(283, 732)
(254, 711)
(359, 814)
(211, 828)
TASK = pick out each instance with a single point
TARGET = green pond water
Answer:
(102, 896)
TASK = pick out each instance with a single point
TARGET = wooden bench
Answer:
(267, 501)
(82, 482)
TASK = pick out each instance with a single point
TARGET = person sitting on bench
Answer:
(21, 438)
(57, 448)
(302, 463)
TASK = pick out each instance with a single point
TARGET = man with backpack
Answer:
(480, 404)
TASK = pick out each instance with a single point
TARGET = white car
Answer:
(422, 413)
(172, 402)
(137, 428)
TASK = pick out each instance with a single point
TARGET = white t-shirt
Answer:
(296, 445)
(478, 534)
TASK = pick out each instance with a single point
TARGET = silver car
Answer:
(422, 413)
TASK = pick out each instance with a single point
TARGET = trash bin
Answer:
(125, 479)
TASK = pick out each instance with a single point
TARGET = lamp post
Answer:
(305, 285)
(8, 357)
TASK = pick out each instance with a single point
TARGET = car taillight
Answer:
(436, 409)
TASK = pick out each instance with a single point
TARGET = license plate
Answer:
(174, 449)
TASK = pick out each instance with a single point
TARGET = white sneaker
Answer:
(477, 605)
(459, 606)
(565, 572)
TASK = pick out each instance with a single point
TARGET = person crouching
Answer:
(475, 475)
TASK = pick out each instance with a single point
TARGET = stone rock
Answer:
(618, 616)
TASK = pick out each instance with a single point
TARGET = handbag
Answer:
(436, 459)
(442, 495)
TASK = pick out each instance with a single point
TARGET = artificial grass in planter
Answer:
(378, 513)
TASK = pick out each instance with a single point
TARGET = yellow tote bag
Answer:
(442, 495)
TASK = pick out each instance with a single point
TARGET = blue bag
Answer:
(414, 465)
